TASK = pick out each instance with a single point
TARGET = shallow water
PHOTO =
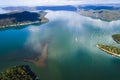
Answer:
(72, 51)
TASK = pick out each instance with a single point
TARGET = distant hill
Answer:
(65, 7)
(106, 15)
(54, 8)
(106, 12)
(20, 8)
(103, 12)
(99, 7)
(57, 8)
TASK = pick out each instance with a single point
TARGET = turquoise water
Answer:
(72, 52)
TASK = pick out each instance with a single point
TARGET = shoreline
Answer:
(24, 24)
(21, 24)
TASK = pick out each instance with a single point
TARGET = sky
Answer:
(52, 2)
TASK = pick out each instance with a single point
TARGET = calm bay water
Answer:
(72, 52)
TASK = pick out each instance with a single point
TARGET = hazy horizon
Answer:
(54, 2)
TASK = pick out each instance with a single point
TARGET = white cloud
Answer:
(52, 2)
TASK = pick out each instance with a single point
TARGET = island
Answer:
(20, 72)
(18, 18)
(110, 49)
(116, 37)
(105, 15)
(108, 12)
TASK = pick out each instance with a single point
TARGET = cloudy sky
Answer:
(53, 2)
